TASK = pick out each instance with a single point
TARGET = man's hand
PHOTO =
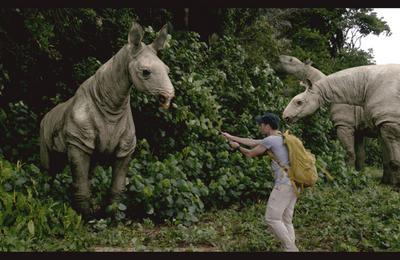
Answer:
(234, 145)
(227, 136)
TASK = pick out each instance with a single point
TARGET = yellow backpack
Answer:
(303, 170)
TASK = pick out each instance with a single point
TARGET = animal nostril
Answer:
(146, 73)
(162, 99)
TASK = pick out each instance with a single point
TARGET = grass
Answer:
(327, 218)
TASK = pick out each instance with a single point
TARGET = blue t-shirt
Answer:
(279, 149)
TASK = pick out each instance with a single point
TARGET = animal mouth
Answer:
(290, 119)
(164, 101)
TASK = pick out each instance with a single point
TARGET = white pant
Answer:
(279, 215)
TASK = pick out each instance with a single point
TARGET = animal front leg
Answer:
(120, 169)
(346, 137)
(80, 162)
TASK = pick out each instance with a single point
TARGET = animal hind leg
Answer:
(44, 151)
(390, 133)
(359, 146)
(385, 161)
(57, 162)
(53, 162)
(346, 137)
(80, 163)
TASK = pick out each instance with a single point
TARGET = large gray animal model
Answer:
(349, 120)
(374, 87)
(97, 121)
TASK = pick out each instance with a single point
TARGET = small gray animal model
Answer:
(349, 121)
(374, 87)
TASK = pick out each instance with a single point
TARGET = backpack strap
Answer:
(285, 169)
(273, 157)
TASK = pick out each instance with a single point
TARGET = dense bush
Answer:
(27, 215)
(17, 125)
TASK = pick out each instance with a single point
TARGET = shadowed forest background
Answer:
(223, 65)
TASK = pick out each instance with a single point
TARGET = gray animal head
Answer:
(293, 65)
(303, 104)
(148, 72)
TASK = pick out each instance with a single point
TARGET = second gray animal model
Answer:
(377, 89)
(349, 121)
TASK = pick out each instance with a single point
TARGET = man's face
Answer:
(265, 129)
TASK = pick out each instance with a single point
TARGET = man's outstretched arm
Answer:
(256, 151)
(245, 141)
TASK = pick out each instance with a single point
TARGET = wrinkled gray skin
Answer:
(96, 125)
(377, 89)
(349, 120)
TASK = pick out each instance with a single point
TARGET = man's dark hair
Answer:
(269, 119)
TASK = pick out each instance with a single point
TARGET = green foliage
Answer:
(210, 84)
(25, 216)
(17, 122)
(337, 26)
(366, 22)
(259, 31)
(374, 155)
(86, 68)
(367, 215)
(330, 37)
(354, 57)
(164, 190)
(327, 218)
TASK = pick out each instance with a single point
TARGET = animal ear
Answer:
(159, 42)
(306, 83)
(308, 62)
(135, 35)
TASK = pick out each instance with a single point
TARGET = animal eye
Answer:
(299, 102)
(146, 73)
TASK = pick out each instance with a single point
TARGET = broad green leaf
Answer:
(31, 227)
